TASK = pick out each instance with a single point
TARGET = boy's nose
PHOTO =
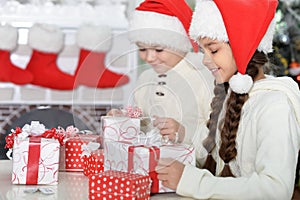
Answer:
(150, 56)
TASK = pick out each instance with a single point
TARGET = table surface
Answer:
(71, 186)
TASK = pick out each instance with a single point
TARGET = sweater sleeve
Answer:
(273, 174)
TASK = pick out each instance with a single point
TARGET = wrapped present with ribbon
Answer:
(143, 156)
(35, 154)
(93, 158)
(124, 127)
(119, 185)
(73, 147)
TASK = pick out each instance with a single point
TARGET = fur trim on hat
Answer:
(9, 37)
(94, 38)
(207, 22)
(152, 28)
(46, 38)
(266, 44)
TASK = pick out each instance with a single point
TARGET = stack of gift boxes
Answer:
(128, 149)
(124, 168)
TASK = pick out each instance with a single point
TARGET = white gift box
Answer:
(124, 156)
(35, 161)
(120, 128)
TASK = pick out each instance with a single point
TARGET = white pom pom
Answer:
(241, 84)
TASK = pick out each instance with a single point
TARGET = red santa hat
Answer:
(162, 22)
(248, 25)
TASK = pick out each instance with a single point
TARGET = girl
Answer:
(253, 133)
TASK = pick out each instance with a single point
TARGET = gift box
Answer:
(35, 161)
(120, 128)
(93, 163)
(73, 150)
(119, 185)
(124, 156)
(35, 154)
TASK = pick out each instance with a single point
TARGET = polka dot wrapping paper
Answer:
(94, 163)
(73, 159)
(119, 185)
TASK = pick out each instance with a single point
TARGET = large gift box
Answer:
(125, 156)
(35, 155)
(119, 185)
(120, 128)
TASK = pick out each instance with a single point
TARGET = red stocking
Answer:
(46, 42)
(8, 71)
(91, 71)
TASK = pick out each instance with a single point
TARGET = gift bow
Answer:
(132, 112)
(87, 149)
(35, 129)
(70, 131)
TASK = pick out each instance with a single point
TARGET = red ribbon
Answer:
(153, 161)
(33, 160)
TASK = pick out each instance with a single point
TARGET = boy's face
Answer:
(160, 58)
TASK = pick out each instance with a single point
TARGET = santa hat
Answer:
(248, 25)
(162, 22)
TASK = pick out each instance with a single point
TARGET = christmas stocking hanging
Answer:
(94, 42)
(8, 71)
(46, 42)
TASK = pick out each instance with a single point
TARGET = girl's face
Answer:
(161, 59)
(218, 58)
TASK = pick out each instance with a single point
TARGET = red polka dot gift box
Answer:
(73, 158)
(93, 163)
(119, 185)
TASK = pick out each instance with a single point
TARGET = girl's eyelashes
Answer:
(214, 51)
(159, 50)
(142, 49)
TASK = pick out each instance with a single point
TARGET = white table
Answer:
(71, 186)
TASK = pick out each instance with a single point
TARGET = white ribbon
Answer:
(34, 129)
(8, 154)
(87, 149)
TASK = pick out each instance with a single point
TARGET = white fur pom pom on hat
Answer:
(94, 38)
(241, 84)
(9, 37)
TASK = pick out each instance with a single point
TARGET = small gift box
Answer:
(93, 159)
(119, 185)
(143, 158)
(122, 128)
(35, 154)
(73, 147)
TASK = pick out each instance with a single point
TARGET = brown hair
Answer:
(230, 123)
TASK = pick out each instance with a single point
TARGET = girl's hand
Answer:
(170, 129)
(169, 172)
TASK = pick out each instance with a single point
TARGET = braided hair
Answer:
(229, 127)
